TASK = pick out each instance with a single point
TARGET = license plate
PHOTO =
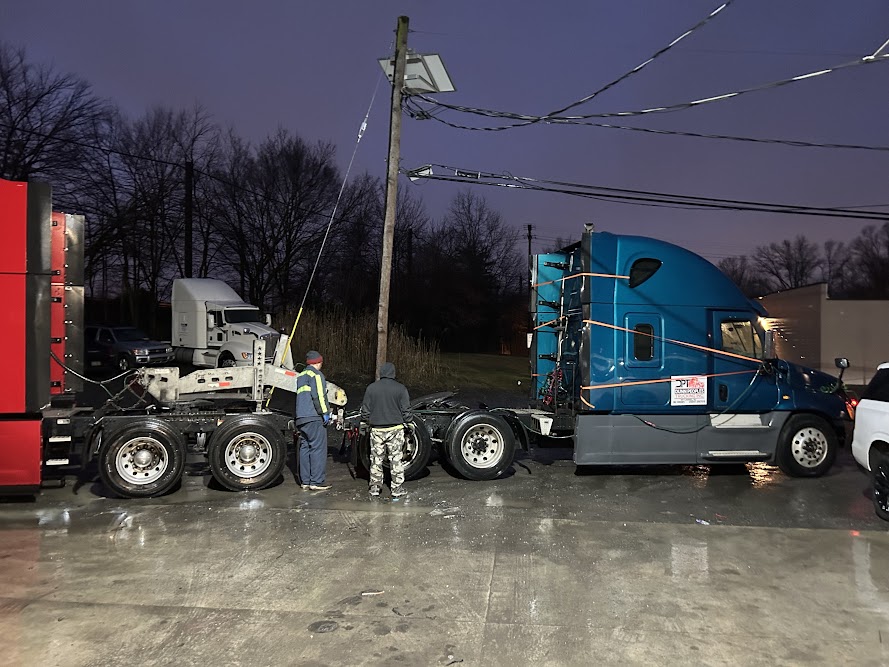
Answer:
(95, 363)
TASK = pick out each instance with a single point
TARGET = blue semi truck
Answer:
(642, 353)
(647, 353)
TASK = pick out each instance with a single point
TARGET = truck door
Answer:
(215, 334)
(736, 387)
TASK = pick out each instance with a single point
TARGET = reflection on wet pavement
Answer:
(688, 565)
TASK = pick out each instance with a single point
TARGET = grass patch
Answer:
(485, 371)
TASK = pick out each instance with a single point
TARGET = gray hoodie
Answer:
(386, 401)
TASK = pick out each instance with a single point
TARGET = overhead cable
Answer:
(554, 119)
(623, 77)
(639, 197)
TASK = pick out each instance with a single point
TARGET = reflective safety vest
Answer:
(311, 396)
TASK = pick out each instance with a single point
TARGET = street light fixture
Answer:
(423, 73)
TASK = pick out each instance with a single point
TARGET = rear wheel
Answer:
(807, 446)
(246, 453)
(480, 446)
(417, 450)
(879, 465)
(143, 459)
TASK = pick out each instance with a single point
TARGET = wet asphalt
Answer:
(550, 564)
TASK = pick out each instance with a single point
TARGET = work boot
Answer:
(319, 487)
(398, 491)
(375, 490)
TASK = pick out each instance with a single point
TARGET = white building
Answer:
(813, 330)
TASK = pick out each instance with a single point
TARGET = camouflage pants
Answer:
(382, 440)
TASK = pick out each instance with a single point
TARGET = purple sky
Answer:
(311, 67)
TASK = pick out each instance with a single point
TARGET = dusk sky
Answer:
(311, 68)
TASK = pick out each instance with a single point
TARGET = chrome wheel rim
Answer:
(809, 447)
(482, 446)
(142, 460)
(248, 455)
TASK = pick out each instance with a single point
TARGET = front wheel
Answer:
(480, 446)
(807, 446)
(226, 361)
(879, 466)
(143, 459)
(246, 453)
(124, 364)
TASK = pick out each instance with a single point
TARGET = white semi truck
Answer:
(214, 328)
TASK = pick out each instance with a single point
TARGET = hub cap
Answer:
(809, 447)
(482, 446)
(142, 461)
(248, 455)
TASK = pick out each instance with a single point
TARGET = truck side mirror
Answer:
(211, 321)
(268, 319)
(842, 363)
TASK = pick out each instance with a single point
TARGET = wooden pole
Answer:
(391, 191)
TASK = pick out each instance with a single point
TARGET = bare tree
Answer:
(277, 203)
(48, 123)
(788, 264)
(472, 271)
(741, 272)
(869, 254)
(835, 269)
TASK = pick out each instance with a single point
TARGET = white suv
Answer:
(870, 442)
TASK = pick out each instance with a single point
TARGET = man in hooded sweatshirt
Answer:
(386, 406)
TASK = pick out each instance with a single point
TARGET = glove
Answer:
(325, 418)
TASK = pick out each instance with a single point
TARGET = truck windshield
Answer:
(238, 315)
(741, 337)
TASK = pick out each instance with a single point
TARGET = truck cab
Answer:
(649, 354)
(214, 327)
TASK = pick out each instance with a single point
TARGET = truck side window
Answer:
(642, 270)
(643, 342)
(105, 336)
(740, 337)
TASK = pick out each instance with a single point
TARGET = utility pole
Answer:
(189, 194)
(391, 191)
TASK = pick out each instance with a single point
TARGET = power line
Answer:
(552, 114)
(418, 111)
(700, 135)
(639, 197)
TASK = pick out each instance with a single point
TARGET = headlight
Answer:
(247, 356)
(142, 352)
(169, 350)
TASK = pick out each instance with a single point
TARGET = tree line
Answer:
(260, 214)
(857, 269)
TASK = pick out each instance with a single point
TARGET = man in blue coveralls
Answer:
(312, 415)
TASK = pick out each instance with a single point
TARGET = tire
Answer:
(246, 453)
(480, 445)
(807, 446)
(143, 459)
(879, 465)
(123, 363)
(417, 450)
(226, 361)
